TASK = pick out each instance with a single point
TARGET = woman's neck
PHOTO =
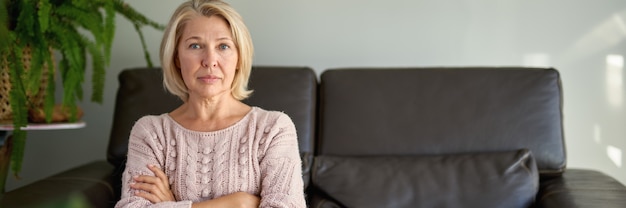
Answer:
(210, 114)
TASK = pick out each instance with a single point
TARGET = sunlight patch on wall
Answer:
(615, 154)
(606, 34)
(536, 60)
(614, 79)
(619, 21)
(597, 134)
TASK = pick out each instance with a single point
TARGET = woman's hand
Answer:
(237, 199)
(153, 188)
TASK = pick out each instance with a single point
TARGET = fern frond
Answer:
(73, 79)
(25, 20)
(32, 77)
(17, 154)
(39, 49)
(109, 29)
(4, 27)
(87, 5)
(99, 73)
(18, 107)
(90, 20)
(49, 100)
(73, 60)
(138, 21)
(63, 65)
(144, 46)
(71, 84)
(134, 16)
(44, 15)
(69, 39)
(16, 67)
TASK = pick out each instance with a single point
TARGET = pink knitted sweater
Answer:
(257, 155)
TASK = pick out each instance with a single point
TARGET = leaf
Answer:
(33, 76)
(144, 46)
(4, 26)
(73, 51)
(109, 30)
(134, 16)
(18, 106)
(68, 83)
(44, 15)
(49, 100)
(99, 72)
(90, 20)
(17, 154)
(26, 19)
(138, 21)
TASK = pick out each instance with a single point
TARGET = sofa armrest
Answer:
(581, 188)
(88, 184)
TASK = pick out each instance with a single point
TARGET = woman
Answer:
(213, 150)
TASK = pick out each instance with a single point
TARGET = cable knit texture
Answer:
(257, 155)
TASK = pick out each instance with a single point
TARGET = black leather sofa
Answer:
(410, 137)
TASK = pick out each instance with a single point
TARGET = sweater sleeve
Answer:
(144, 148)
(281, 172)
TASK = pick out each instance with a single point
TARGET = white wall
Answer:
(573, 36)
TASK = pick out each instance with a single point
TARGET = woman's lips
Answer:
(209, 78)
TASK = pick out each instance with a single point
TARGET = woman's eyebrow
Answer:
(192, 38)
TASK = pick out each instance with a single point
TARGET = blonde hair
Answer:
(172, 78)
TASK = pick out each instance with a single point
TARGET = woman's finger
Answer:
(157, 185)
(146, 179)
(153, 188)
(158, 173)
(148, 196)
(145, 184)
(163, 183)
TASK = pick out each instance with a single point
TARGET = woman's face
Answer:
(207, 57)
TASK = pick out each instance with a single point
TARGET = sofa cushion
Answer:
(292, 90)
(431, 111)
(497, 179)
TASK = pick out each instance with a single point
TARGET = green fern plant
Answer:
(47, 26)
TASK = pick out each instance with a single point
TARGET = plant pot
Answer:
(35, 100)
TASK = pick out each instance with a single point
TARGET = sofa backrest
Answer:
(140, 92)
(292, 90)
(434, 111)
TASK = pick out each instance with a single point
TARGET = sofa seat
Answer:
(88, 185)
(582, 188)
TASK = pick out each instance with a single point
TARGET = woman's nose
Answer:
(209, 59)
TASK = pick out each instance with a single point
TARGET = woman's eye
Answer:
(194, 46)
(224, 47)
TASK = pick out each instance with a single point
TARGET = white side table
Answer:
(6, 145)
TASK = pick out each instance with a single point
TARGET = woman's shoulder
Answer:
(152, 121)
(153, 118)
(268, 114)
(271, 117)
(149, 129)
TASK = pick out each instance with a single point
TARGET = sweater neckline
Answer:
(227, 129)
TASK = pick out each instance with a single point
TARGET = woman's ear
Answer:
(177, 62)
